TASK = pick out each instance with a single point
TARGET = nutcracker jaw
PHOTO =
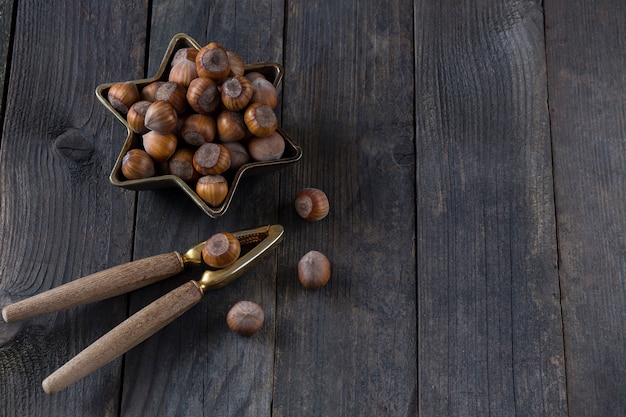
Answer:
(264, 238)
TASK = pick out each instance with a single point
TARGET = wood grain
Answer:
(349, 348)
(60, 217)
(6, 22)
(125, 336)
(489, 335)
(587, 89)
(221, 373)
(473, 156)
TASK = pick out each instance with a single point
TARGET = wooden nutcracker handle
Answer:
(98, 286)
(125, 336)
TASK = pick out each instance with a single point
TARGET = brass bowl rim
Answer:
(167, 181)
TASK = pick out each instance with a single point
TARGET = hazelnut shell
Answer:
(160, 146)
(221, 250)
(269, 148)
(211, 159)
(137, 164)
(314, 270)
(245, 318)
(212, 189)
(122, 95)
(261, 120)
(311, 204)
(203, 96)
(161, 117)
(212, 62)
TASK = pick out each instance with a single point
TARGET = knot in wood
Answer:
(74, 145)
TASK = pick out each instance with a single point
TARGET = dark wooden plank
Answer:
(587, 89)
(490, 337)
(6, 22)
(60, 217)
(348, 349)
(219, 372)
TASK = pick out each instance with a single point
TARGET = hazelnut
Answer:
(238, 154)
(314, 270)
(173, 93)
(212, 62)
(260, 119)
(161, 117)
(236, 92)
(231, 126)
(203, 95)
(183, 73)
(123, 95)
(268, 148)
(264, 92)
(181, 165)
(137, 164)
(311, 204)
(184, 54)
(253, 75)
(147, 93)
(160, 146)
(245, 318)
(221, 250)
(137, 115)
(198, 129)
(211, 158)
(213, 189)
(236, 63)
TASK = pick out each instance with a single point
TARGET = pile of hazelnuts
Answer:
(209, 117)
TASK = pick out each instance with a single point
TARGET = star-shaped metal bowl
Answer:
(272, 71)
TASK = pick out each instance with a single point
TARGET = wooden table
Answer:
(473, 154)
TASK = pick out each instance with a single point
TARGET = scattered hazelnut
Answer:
(245, 318)
(314, 270)
(311, 204)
